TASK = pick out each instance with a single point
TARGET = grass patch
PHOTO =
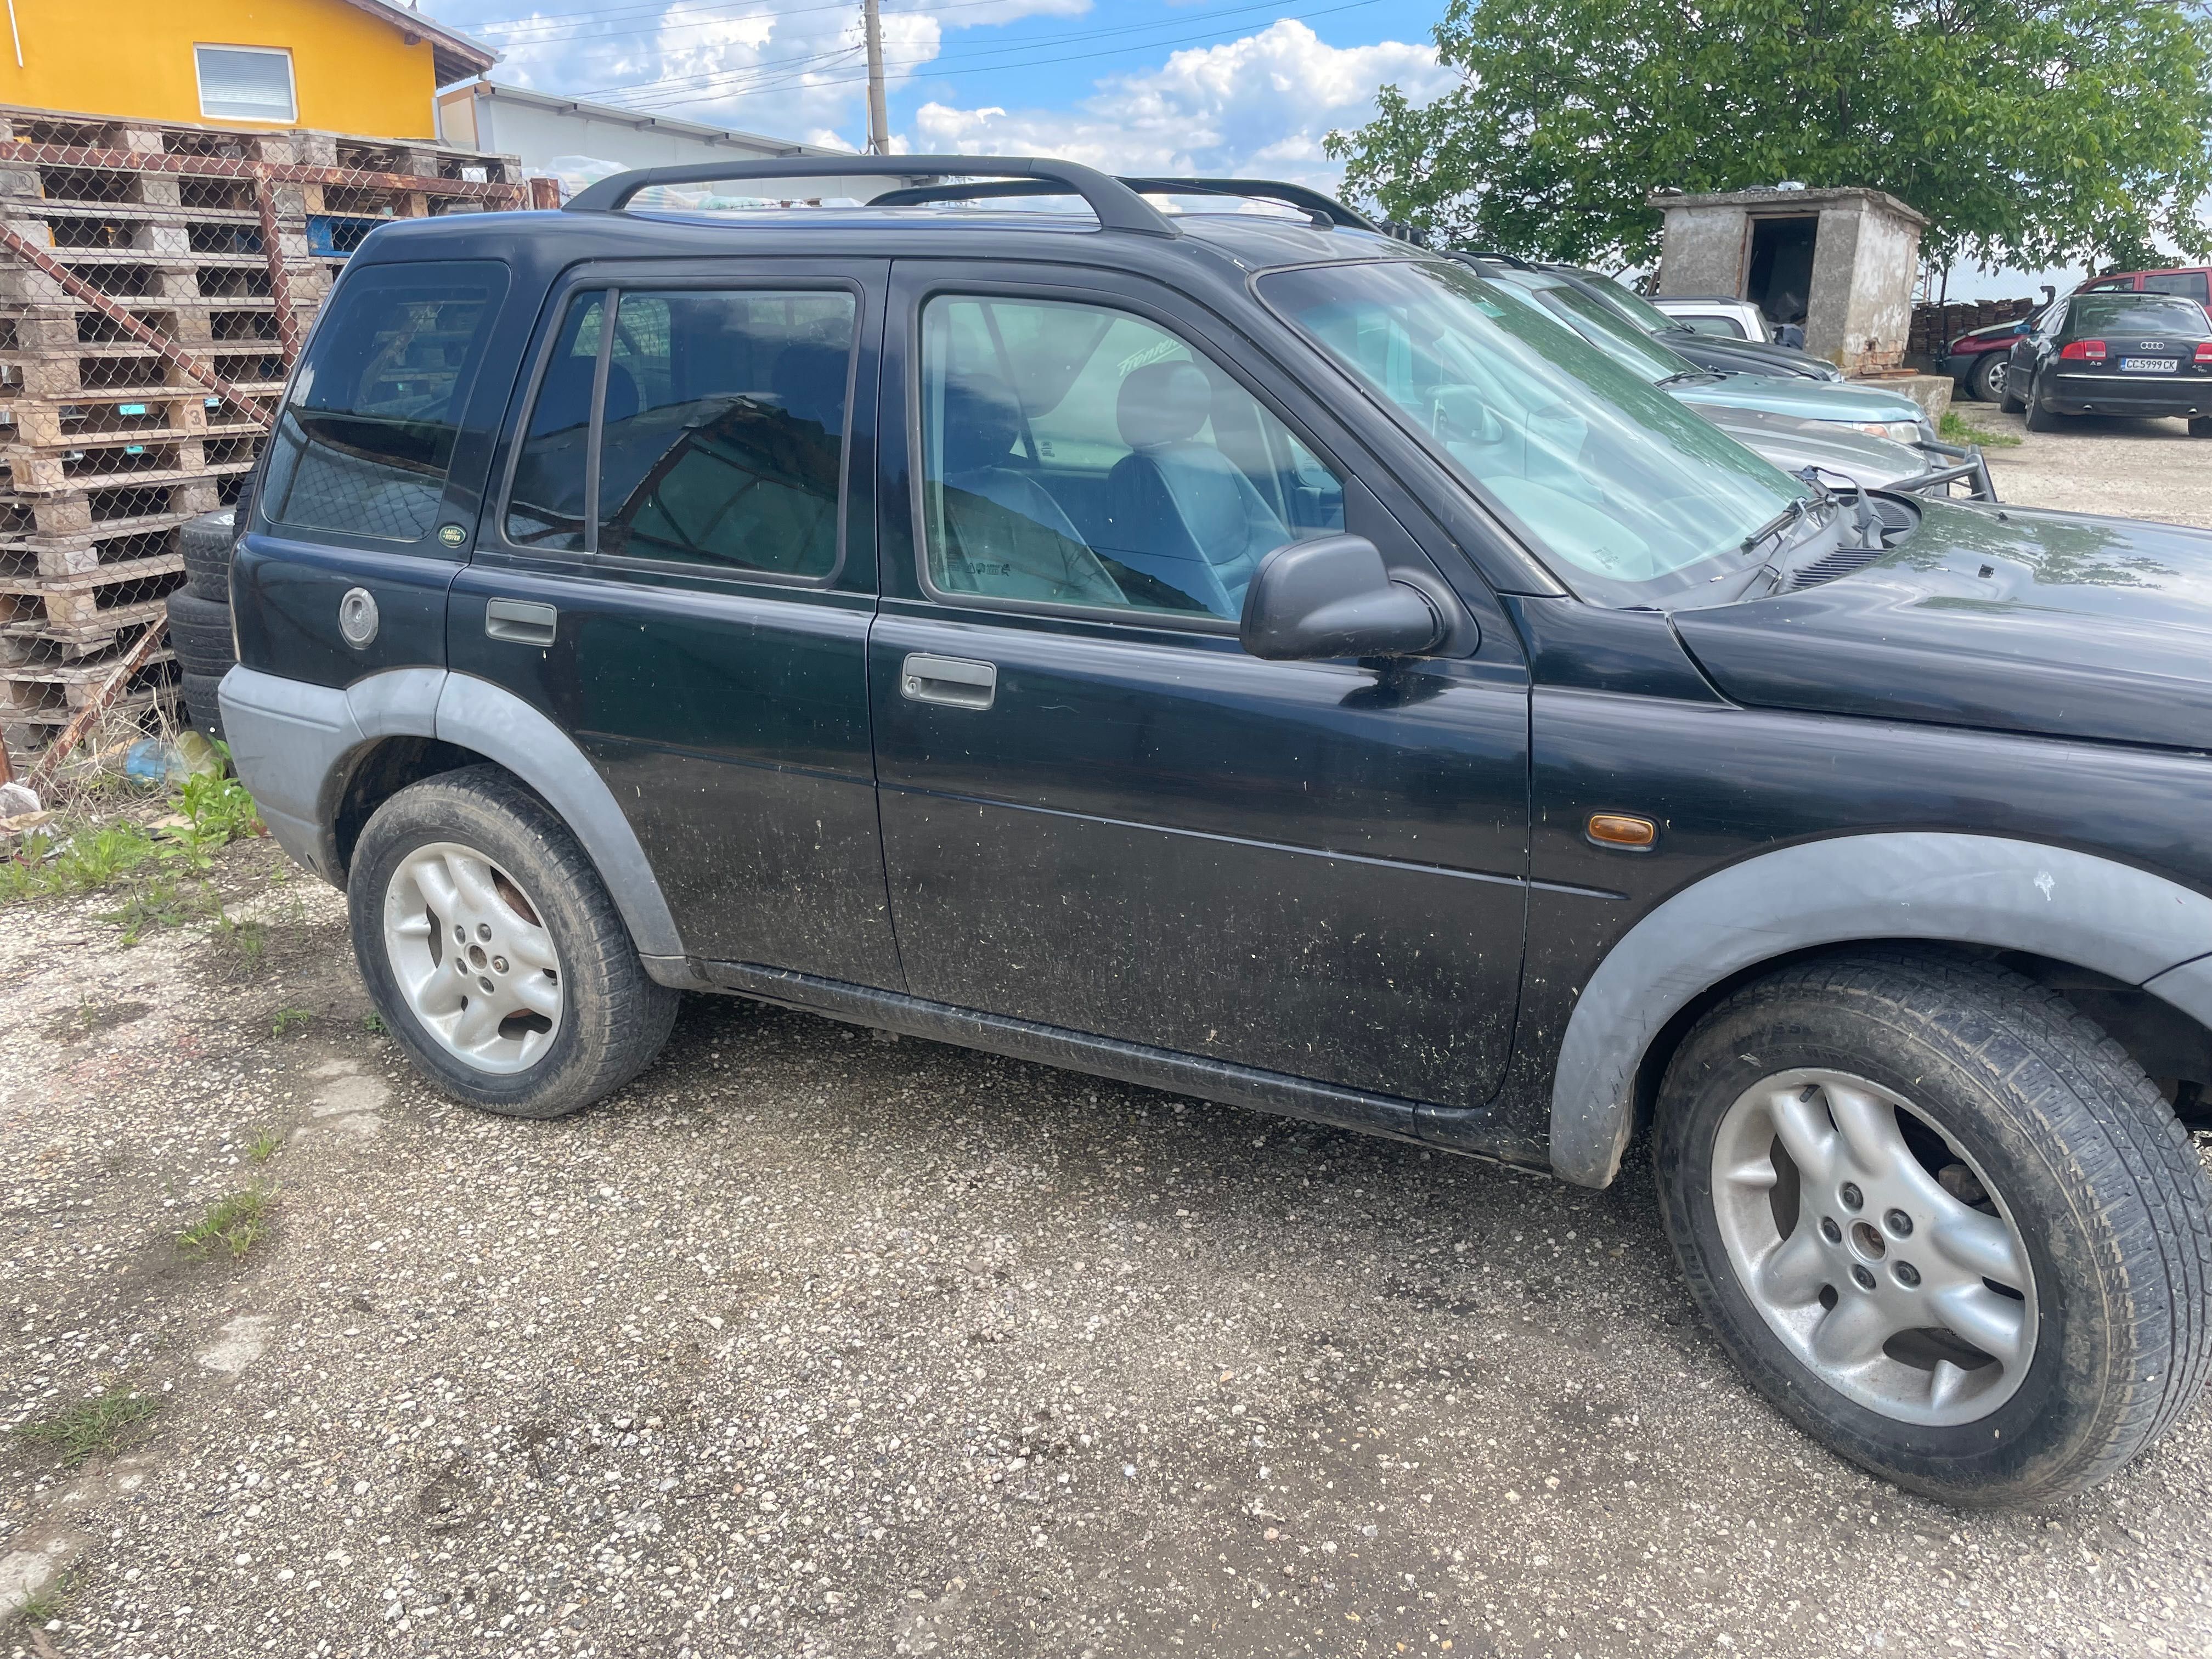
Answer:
(91, 1425)
(156, 901)
(289, 1020)
(51, 1599)
(246, 942)
(234, 1225)
(373, 1023)
(69, 859)
(264, 1145)
(1956, 429)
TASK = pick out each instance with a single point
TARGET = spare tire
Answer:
(200, 631)
(206, 542)
(202, 712)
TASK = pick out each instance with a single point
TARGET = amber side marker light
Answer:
(1620, 829)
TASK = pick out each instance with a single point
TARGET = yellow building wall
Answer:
(351, 72)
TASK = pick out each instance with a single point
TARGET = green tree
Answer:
(2032, 132)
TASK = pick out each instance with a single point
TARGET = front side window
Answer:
(1076, 455)
(245, 84)
(367, 435)
(1632, 493)
(1723, 328)
(722, 441)
(546, 506)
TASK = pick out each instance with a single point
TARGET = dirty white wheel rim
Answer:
(1905, 1288)
(469, 952)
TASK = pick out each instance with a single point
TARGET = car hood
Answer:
(1808, 400)
(2059, 624)
(1793, 445)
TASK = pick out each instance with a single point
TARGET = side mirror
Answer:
(1333, 597)
(2022, 327)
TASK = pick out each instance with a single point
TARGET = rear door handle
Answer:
(957, 682)
(521, 621)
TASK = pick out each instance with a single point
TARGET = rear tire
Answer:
(1987, 380)
(2200, 426)
(567, 1013)
(2038, 419)
(2036, 1191)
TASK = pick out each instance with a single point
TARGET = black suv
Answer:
(1243, 654)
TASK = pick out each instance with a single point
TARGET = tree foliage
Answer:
(2032, 132)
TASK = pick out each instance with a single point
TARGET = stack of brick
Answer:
(155, 282)
(1935, 326)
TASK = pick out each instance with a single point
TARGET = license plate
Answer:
(2149, 365)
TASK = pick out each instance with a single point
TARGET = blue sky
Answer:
(1151, 86)
(1195, 84)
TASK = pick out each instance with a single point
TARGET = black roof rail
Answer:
(1118, 207)
(1266, 190)
(1511, 260)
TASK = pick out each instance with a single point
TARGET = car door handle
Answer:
(521, 621)
(954, 680)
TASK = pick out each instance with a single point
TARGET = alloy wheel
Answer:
(472, 957)
(1874, 1247)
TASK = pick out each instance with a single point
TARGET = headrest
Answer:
(1163, 403)
(982, 421)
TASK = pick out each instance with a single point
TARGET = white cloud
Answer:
(1260, 105)
(797, 71)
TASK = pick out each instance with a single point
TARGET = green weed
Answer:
(235, 1223)
(49, 1601)
(1956, 429)
(248, 941)
(155, 901)
(91, 1425)
(373, 1023)
(289, 1020)
(265, 1145)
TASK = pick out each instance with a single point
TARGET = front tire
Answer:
(1942, 1221)
(2200, 426)
(2009, 398)
(1987, 382)
(494, 952)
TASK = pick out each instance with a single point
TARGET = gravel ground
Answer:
(2136, 468)
(813, 1344)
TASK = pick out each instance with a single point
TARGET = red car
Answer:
(1977, 359)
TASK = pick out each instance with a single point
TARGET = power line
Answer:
(697, 17)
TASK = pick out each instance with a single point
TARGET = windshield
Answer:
(2137, 314)
(1630, 493)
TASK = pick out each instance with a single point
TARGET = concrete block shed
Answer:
(1843, 259)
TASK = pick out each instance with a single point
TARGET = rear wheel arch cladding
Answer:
(492, 721)
(1911, 886)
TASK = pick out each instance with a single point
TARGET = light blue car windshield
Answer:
(1628, 494)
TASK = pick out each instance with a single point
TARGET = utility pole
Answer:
(879, 126)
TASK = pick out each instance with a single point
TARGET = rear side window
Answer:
(2189, 284)
(720, 437)
(366, 437)
(1725, 328)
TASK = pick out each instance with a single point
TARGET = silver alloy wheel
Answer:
(470, 953)
(1906, 1290)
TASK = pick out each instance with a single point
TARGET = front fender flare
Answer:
(1966, 890)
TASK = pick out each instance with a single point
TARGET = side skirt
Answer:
(1166, 1069)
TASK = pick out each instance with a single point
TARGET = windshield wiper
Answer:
(1687, 377)
(1781, 521)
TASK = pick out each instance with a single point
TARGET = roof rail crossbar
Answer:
(1266, 190)
(1118, 207)
(1511, 261)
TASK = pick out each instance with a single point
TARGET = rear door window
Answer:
(720, 435)
(365, 439)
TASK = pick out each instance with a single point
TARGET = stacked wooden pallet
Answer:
(156, 283)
